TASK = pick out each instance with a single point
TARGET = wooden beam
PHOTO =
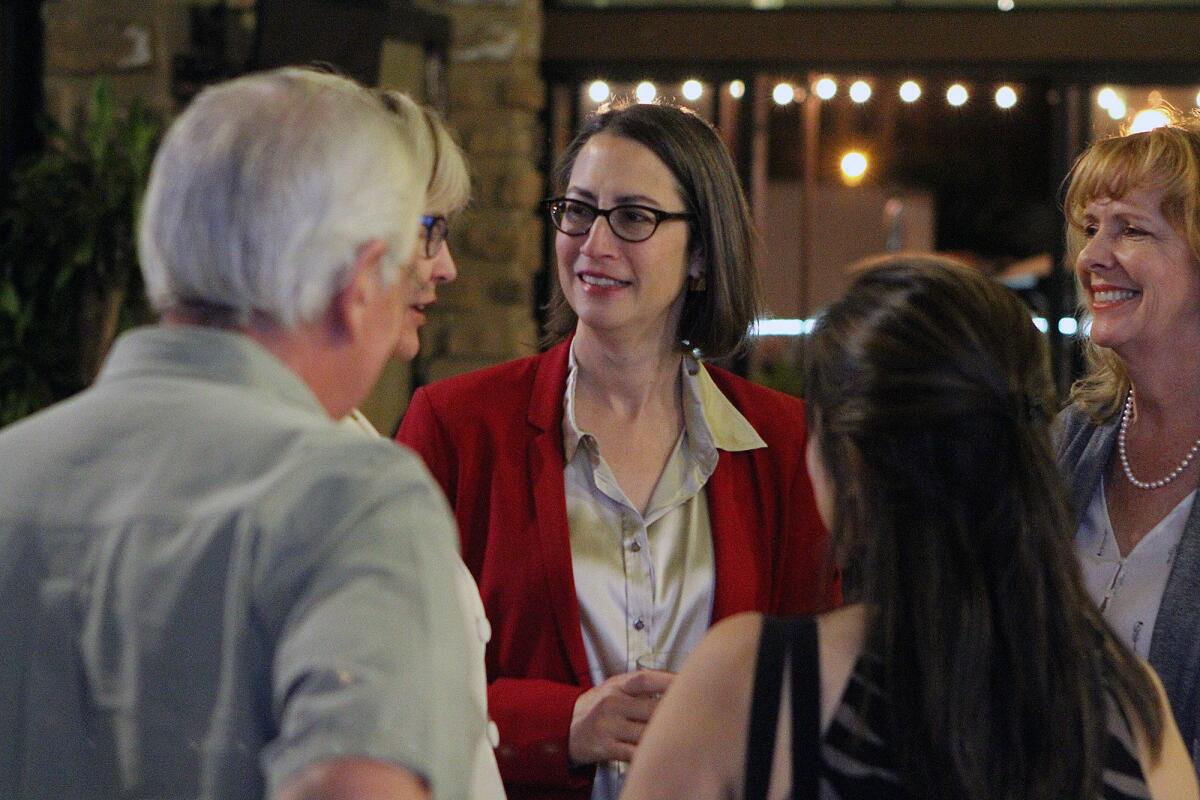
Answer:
(1124, 44)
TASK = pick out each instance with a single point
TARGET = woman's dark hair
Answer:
(930, 393)
(717, 319)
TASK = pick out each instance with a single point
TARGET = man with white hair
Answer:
(209, 588)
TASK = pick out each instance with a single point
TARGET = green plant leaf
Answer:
(98, 130)
(10, 303)
(67, 228)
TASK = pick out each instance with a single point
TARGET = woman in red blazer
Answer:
(673, 493)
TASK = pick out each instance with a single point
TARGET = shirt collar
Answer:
(193, 352)
(710, 420)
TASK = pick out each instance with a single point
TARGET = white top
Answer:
(1129, 590)
(486, 784)
(645, 582)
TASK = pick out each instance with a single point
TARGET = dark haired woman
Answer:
(975, 667)
(616, 495)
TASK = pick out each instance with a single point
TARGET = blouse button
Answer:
(638, 625)
(493, 734)
(635, 547)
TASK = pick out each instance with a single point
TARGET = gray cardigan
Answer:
(1083, 451)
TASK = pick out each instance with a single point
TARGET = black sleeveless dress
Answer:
(853, 761)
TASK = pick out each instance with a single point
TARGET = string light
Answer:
(1149, 119)
(736, 89)
(826, 88)
(910, 91)
(645, 92)
(783, 94)
(692, 90)
(860, 91)
(854, 167)
(598, 91)
(1106, 97)
(956, 95)
(1006, 97)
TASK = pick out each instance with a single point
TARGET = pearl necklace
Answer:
(1126, 413)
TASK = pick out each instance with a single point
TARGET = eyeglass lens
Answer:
(436, 229)
(631, 223)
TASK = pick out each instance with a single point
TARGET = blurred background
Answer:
(858, 127)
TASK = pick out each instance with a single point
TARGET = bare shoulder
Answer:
(1172, 776)
(730, 640)
(721, 669)
(840, 635)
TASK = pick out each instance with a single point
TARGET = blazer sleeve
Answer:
(805, 550)
(534, 718)
(422, 431)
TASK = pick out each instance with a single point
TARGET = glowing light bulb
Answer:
(645, 92)
(910, 91)
(783, 94)
(854, 167)
(598, 91)
(1005, 5)
(956, 95)
(1106, 97)
(1006, 97)
(1149, 119)
(737, 89)
(692, 90)
(1116, 109)
(860, 91)
(826, 88)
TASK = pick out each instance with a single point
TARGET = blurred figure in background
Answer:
(1129, 438)
(975, 667)
(211, 589)
(615, 494)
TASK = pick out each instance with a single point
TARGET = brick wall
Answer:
(494, 102)
(495, 98)
(132, 42)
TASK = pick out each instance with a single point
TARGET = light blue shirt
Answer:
(208, 585)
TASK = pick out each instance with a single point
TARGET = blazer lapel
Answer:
(734, 545)
(1085, 460)
(550, 502)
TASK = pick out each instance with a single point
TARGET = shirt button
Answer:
(493, 734)
(483, 629)
(635, 547)
(638, 625)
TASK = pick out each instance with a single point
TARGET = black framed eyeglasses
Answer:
(436, 230)
(632, 223)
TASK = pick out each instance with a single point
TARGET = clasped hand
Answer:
(609, 719)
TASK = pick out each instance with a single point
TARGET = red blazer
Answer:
(493, 440)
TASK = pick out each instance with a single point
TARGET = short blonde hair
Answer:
(1165, 158)
(450, 183)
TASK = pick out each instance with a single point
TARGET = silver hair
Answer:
(265, 189)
